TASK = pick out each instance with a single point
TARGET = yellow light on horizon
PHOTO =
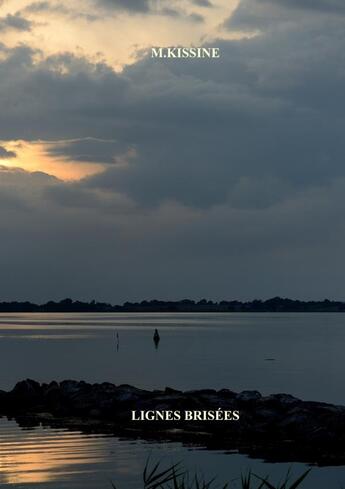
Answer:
(34, 156)
(37, 457)
(117, 36)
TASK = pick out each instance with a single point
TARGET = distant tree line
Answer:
(276, 304)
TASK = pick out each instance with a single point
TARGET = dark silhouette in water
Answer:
(156, 338)
(117, 341)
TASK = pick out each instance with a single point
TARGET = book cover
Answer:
(172, 272)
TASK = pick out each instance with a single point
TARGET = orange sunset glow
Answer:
(34, 156)
(38, 456)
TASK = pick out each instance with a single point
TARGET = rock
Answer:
(71, 387)
(95, 413)
(227, 393)
(285, 399)
(248, 396)
(27, 393)
(169, 390)
(276, 427)
(128, 393)
(52, 391)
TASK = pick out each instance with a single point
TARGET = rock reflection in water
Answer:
(59, 459)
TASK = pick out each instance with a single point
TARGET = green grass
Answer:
(175, 477)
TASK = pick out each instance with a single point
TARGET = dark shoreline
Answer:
(276, 428)
(276, 304)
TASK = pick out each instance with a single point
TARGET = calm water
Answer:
(56, 459)
(301, 354)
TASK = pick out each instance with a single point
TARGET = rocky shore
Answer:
(278, 427)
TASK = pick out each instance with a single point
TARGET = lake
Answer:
(299, 354)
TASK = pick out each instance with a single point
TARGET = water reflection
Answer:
(44, 455)
(215, 351)
(156, 338)
(56, 459)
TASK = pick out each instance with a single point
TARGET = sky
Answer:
(124, 177)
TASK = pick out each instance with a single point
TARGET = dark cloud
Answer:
(44, 7)
(92, 150)
(256, 118)
(15, 22)
(139, 6)
(22, 191)
(168, 251)
(153, 7)
(178, 14)
(263, 14)
(18, 177)
(4, 154)
(114, 6)
(230, 170)
(323, 5)
(202, 3)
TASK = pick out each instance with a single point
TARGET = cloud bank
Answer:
(221, 180)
